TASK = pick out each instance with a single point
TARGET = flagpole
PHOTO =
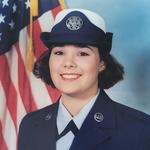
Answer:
(30, 50)
(62, 4)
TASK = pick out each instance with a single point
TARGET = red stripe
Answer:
(39, 47)
(54, 93)
(3, 145)
(56, 10)
(24, 84)
(9, 89)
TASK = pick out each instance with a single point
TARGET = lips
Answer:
(70, 76)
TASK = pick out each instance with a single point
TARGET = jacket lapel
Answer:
(47, 129)
(51, 131)
(92, 133)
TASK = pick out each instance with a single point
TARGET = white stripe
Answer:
(8, 128)
(23, 43)
(46, 21)
(2, 102)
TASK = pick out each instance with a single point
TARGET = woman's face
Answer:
(74, 69)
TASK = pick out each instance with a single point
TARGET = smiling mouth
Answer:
(70, 76)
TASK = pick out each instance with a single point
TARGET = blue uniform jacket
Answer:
(108, 126)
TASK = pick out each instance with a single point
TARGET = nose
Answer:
(69, 63)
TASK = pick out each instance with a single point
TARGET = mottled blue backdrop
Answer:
(130, 23)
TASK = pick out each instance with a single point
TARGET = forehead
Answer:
(75, 45)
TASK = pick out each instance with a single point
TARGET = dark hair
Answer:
(113, 72)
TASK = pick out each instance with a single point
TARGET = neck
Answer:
(75, 103)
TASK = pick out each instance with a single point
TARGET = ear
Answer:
(102, 66)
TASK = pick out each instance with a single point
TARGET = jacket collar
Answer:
(101, 116)
(92, 133)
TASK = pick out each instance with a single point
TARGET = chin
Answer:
(70, 92)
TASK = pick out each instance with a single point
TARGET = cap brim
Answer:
(45, 37)
(50, 39)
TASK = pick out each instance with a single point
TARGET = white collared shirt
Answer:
(64, 117)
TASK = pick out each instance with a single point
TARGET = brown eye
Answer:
(58, 53)
(83, 54)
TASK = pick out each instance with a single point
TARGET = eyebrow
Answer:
(84, 46)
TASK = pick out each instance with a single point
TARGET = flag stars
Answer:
(5, 3)
(27, 3)
(14, 8)
(12, 25)
(2, 19)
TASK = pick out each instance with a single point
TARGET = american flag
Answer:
(20, 91)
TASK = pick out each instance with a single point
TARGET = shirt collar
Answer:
(64, 117)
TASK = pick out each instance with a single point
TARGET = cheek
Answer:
(54, 63)
(52, 66)
(92, 66)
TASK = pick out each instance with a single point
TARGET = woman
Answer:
(78, 63)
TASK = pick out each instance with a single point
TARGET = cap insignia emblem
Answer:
(74, 23)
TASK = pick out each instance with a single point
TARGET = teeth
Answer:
(70, 76)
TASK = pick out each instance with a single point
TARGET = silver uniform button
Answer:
(98, 117)
(74, 23)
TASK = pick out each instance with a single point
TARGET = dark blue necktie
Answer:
(70, 127)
